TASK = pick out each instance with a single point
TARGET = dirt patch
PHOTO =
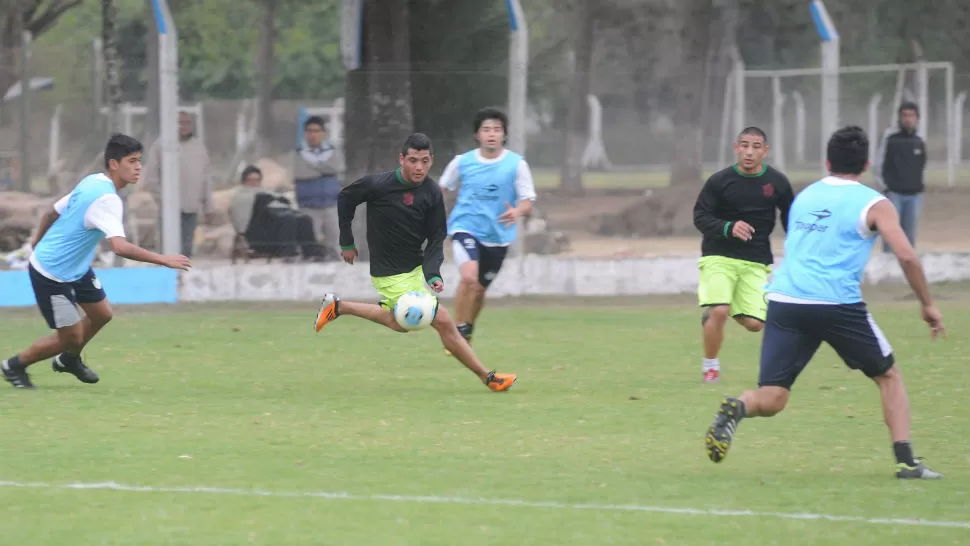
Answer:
(617, 223)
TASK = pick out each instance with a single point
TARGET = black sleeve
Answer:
(347, 202)
(436, 230)
(786, 195)
(704, 219)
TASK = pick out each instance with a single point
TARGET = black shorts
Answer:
(794, 331)
(58, 301)
(466, 248)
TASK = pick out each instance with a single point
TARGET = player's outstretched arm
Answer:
(123, 248)
(883, 218)
(349, 199)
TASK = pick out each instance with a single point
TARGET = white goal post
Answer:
(736, 92)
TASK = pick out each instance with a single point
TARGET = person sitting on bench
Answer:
(269, 223)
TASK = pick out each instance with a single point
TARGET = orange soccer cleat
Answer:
(328, 311)
(500, 382)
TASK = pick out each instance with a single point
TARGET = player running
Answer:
(496, 189)
(60, 265)
(815, 296)
(736, 213)
(404, 209)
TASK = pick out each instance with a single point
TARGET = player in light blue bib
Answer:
(495, 189)
(60, 265)
(816, 297)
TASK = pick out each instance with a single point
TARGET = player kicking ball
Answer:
(405, 208)
(60, 265)
(816, 296)
(483, 221)
(735, 211)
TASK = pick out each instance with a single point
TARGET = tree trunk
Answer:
(11, 27)
(378, 107)
(723, 40)
(577, 122)
(694, 18)
(265, 61)
(109, 40)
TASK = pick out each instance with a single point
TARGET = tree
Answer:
(378, 97)
(693, 20)
(265, 65)
(109, 41)
(16, 16)
(577, 122)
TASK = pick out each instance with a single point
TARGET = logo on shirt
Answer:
(821, 214)
(408, 198)
(814, 226)
(768, 190)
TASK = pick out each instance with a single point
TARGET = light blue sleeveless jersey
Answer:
(485, 189)
(68, 247)
(828, 243)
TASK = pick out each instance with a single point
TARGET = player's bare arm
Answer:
(883, 218)
(122, 247)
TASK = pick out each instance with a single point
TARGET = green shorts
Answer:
(737, 283)
(391, 288)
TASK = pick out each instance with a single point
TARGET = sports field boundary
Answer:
(434, 499)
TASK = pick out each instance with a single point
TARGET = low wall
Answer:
(132, 285)
(528, 276)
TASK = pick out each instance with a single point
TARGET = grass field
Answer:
(361, 436)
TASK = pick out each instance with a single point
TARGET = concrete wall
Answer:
(531, 275)
(528, 276)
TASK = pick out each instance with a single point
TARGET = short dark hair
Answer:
(848, 150)
(753, 131)
(490, 113)
(908, 105)
(417, 142)
(250, 169)
(315, 120)
(119, 147)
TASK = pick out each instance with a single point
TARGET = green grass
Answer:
(609, 409)
(548, 179)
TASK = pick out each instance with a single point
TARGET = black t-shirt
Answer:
(729, 196)
(400, 217)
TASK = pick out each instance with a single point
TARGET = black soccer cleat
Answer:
(918, 472)
(75, 367)
(721, 431)
(16, 375)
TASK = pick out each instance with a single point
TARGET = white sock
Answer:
(712, 364)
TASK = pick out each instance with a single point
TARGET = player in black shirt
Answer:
(736, 213)
(405, 208)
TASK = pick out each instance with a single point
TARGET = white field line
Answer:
(432, 499)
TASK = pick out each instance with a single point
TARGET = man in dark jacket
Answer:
(899, 167)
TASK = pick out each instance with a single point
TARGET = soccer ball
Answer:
(415, 310)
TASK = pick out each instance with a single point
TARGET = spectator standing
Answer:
(195, 182)
(900, 167)
(317, 167)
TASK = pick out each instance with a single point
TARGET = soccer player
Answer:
(60, 265)
(736, 213)
(496, 190)
(815, 296)
(405, 208)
